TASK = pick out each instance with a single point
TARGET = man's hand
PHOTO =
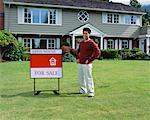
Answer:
(86, 62)
(78, 61)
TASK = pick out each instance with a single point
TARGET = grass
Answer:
(122, 93)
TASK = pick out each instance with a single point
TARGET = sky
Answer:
(142, 2)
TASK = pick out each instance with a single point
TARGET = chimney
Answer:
(1, 15)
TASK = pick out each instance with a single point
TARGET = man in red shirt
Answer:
(88, 51)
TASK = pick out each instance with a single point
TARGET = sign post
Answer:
(45, 63)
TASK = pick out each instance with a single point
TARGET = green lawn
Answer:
(122, 93)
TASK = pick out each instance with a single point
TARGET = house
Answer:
(1, 15)
(47, 24)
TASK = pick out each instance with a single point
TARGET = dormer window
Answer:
(83, 16)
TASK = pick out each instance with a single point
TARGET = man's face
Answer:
(86, 35)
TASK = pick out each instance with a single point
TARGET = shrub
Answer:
(109, 54)
(68, 57)
(16, 53)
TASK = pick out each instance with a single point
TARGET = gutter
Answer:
(74, 7)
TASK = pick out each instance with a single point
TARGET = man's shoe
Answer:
(91, 95)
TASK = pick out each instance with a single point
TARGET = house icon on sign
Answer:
(52, 61)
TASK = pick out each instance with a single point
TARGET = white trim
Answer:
(20, 15)
(73, 41)
(101, 43)
(141, 36)
(105, 44)
(120, 44)
(130, 44)
(94, 31)
(116, 44)
(74, 7)
(147, 46)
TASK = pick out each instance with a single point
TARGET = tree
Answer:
(145, 18)
(135, 4)
(7, 43)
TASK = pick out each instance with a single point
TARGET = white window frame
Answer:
(112, 18)
(55, 42)
(131, 20)
(51, 43)
(110, 44)
(81, 14)
(21, 16)
(125, 44)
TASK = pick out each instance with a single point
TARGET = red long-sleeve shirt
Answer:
(88, 50)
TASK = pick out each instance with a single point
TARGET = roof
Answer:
(79, 4)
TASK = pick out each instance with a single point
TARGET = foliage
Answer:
(109, 54)
(10, 48)
(26, 57)
(6, 38)
(68, 57)
(145, 18)
(16, 53)
(124, 54)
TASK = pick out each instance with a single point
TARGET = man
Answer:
(88, 51)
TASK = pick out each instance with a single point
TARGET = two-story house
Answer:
(1, 15)
(47, 24)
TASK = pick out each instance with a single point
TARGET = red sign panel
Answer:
(46, 63)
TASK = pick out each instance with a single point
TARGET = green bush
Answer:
(68, 57)
(26, 57)
(125, 54)
(109, 54)
(15, 53)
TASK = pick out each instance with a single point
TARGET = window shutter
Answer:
(58, 43)
(20, 15)
(59, 16)
(104, 15)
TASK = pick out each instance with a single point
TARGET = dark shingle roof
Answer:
(82, 3)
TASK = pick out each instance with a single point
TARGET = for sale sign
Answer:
(46, 63)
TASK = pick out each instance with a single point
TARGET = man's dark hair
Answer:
(87, 29)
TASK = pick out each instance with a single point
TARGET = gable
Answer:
(94, 31)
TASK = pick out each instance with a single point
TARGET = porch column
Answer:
(148, 46)
(105, 44)
(130, 44)
(116, 44)
(120, 44)
(73, 41)
(101, 43)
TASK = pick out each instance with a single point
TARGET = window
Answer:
(83, 16)
(52, 17)
(112, 18)
(41, 16)
(27, 15)
(110, 44)
(125, 44)
(130, 19)
(116, 18)
(133, 19)
(51, 44)
(27, 43)
(41, 43)
(109, 18)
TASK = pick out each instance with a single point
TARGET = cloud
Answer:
(143, 2)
